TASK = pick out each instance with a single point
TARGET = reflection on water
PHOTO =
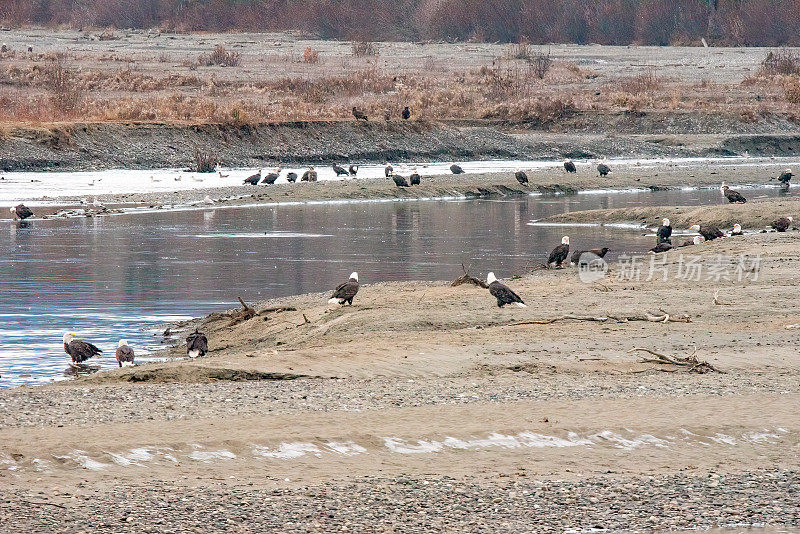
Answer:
(123, 277)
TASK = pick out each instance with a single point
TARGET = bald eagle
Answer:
(415, 178)
(339, 170)
(661, 247)
(737, 230)
(359, 115)
(79, 351)
(782, 224)
(196, 344)
(253, 179)
(21, 212)
(709, 233)
(271, 177)
(503, 293)
(732, 196)
(456, 169)
(291, 177)
(664, 232)
(353, 170)
(309, 176)
(124, 353)
(345, 292)
(388, 170)
(785, 177)
(603, 169)
(559, 253)
(406, 113)
(600, 252)
(399, 181)
(521, 177)
(569, 166)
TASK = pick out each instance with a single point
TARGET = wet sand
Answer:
(431, 408)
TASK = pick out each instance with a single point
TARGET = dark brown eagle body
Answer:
(733, 196)
(521, 177)
(359, 115)
(711, 233)
(569, 166)
(254, 179)
(124, 355)
(558, 255)
(309, 176)
(664, 234)
(661, 247)
(599, 252)
(415, 178)
(399, 181)
(785, 177)
(353, 170)
(22, 212)
(292, 177)
(782, 224)
(345, 292)
(388, 170)
(406, 113)
(80, 351)
(339, 170)
(456, 169)
(603, 169)
(504, 294)
(270, 178)
(196, 344)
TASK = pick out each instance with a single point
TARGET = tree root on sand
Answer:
(690, 362)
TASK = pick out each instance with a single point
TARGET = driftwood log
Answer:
(467, 279)
(662, 317)
(690, 362)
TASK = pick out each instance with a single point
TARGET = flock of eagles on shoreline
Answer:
(197, 342)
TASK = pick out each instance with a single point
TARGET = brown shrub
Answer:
(61, 80)
(204, 161)
(643, 83)
(220, 56)
(364, 48)
(782, 62)
(310, 55)
(791, 90)
(540, 63)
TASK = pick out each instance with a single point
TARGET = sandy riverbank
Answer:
(432, 408)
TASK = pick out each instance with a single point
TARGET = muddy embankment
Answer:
(77, 146)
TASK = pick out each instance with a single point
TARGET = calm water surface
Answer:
(122, 277)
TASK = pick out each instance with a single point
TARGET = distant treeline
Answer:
(647, 22)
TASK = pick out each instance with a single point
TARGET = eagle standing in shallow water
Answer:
(785, 177)
(124, 353)
(569, 166)
(79, 351)
(196, 344)
(345, 292)
(21, 212)
(559, 253)
(503, 293)
(732, 196)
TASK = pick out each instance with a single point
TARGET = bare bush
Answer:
(791, 90)
(364, 48)
(310, 55)
(643, 83)
(782, 62)
(220, 56)
(204, 161)
(540, 64)
(520, 50)
(62, 82)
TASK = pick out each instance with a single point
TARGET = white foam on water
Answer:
(288, 451)
(761, 437)
(629, 444)
(530, 439)
(82, 459)
(723, 439)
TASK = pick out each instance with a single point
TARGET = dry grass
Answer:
(310, 56)
(364, 49)
(220, 56)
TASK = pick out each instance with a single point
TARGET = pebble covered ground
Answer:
(68, 405)
(404, 504)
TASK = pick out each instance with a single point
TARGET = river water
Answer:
(107, 278)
